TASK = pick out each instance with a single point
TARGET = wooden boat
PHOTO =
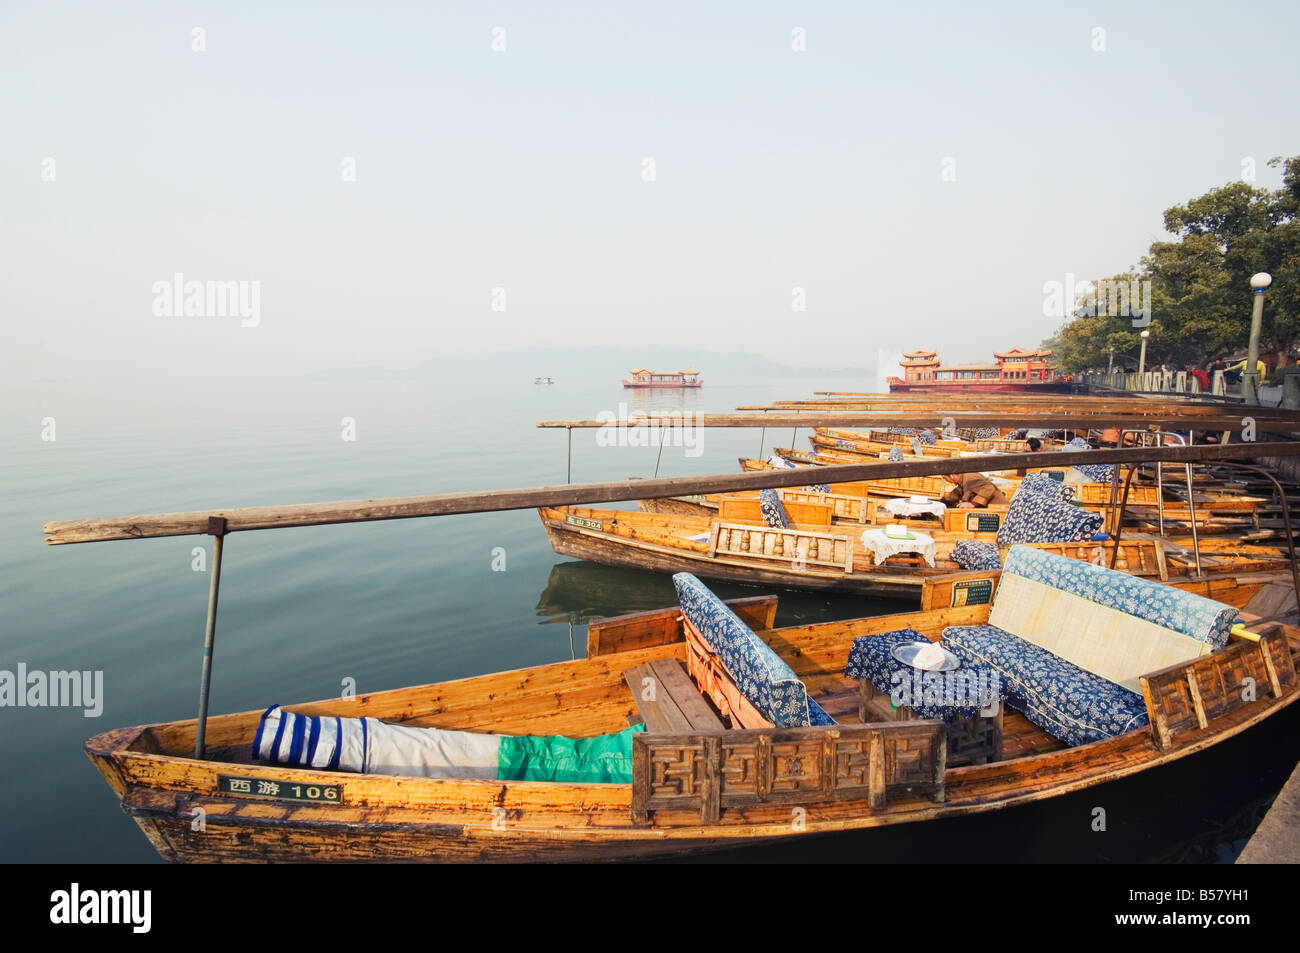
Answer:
(813, 554)
(694, 785)
(698, 784)
(641, 377)
(852, 441)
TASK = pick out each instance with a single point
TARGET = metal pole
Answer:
(1250, 376)
(568, 475)
(1142, 365)
(661, 449)
(217, 530)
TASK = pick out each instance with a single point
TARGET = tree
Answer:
(1200, 282)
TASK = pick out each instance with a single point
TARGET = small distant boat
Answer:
(641, 377)
(543, 380)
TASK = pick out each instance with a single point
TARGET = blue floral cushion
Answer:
(916, 446)
(1184, 612)
(1064, 700)
(976, 554)
(896, 454)
(818, 488)
(1096, 472)
(871, 658)
(773, 512)
(1038, 513)
(1046, 485)
(762, 676)
(905, 431)
(927, 437)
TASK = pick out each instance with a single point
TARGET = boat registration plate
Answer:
(583, 521)
(279, 790)
(972, 592)
(982, 522)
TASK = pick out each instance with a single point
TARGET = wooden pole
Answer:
(217, 529)
(445, 504)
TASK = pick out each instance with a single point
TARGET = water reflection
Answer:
(579, 591)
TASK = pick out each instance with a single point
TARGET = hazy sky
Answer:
(523, 169)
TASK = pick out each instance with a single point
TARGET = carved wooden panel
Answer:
(711, 772)
(1188, 698)
(842, 507)
(787, 545)
(931, 487)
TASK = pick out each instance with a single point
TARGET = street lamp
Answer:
(1250, 377)
(1142, 357)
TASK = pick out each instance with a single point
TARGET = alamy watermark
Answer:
(179, 298)
(962, 688)
(57, 689)
(676, 429)
(1128, 299)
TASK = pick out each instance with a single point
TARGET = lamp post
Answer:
(1142, 358)
(1250, 376)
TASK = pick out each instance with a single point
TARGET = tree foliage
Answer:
(1200, 282)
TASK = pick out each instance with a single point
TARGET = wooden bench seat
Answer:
(668, 700)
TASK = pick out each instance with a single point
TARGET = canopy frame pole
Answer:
(568, 475)
(217, 530)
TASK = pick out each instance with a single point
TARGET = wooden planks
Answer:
(668, 700)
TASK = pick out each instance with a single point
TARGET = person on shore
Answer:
(1234, 373)
(969, 491)
(1033, 445)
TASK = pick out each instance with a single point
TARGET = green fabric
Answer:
(603, 758)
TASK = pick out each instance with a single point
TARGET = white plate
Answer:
(906, 651)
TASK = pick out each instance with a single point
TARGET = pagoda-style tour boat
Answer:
(1014, 370)
(641, 377)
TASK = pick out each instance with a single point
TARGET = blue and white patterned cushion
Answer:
(896, 454)
(1184, 612)
(1046, 485)
(1078, 443)
(818, 488)
(780, 462)
(762, 676)
(927, 437)
(1019, 434)
(916, 446)
(773, 512)
(871, 658)
(1038, 518)
(976, 554)
(1096, 472)
(905, 431)
(986, 433)
(1064, 700)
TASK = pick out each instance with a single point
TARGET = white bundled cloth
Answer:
(370, 746)
(883, 546)
(906, 506)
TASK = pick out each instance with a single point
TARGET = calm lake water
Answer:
(302, 610)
